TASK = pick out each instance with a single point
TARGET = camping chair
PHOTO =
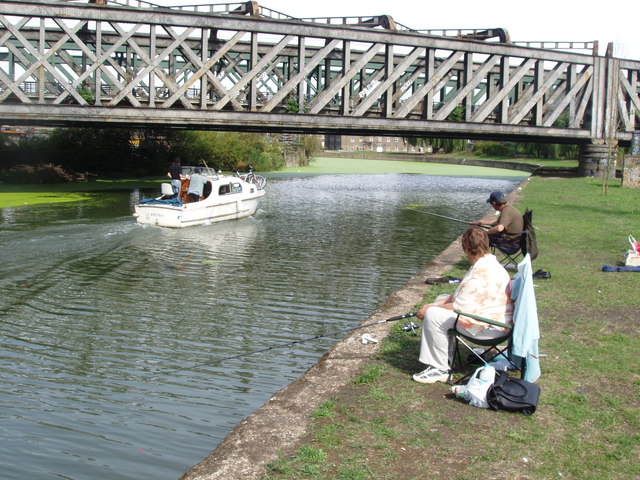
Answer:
(518, 345)
(514, 251)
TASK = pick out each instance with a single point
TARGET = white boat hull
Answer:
(243, 202)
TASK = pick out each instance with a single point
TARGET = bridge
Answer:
(242, 66)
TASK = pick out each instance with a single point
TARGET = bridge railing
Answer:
(573, 46)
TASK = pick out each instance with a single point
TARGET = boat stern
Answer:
(158, 215)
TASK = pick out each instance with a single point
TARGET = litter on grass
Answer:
(609, 268)
(367, 338)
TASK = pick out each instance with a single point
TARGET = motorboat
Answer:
(225, 197)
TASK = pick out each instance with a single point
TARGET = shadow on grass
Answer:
(401, 349)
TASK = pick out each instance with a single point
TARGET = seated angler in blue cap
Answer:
(507, 228)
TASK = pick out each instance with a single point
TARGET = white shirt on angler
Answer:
(484, 291)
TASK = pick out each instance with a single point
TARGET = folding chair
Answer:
(513, 250)
(519, 344)
(492, 348)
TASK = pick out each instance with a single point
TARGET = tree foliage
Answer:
(228, 150)
(143, 152)
(309, 145)
(94, 149)
(532, 149)
(527, 149)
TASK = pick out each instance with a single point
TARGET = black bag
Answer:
(510, 394)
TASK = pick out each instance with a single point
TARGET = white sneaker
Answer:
(432, 375)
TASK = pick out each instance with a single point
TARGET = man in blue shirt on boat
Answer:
(196, 185)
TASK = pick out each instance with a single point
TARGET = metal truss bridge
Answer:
(246, 67)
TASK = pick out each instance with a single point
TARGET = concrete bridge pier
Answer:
(595, 158)
(631, 164)
(635, 143)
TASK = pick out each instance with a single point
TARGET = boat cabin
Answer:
(220, 184)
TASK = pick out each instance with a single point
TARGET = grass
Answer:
(385, 426)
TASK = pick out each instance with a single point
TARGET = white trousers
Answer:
(436, 347)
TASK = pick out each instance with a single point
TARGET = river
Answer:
(114, 334)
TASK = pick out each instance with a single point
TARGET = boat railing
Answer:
(206, 171)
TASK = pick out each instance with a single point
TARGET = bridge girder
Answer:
(67, 64)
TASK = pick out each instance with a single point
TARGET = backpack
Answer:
(510, 394)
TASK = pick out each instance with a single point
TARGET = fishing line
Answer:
(414, 209)
(426, 213)
(288, 344)
(436, 215)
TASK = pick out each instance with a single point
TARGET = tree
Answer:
(309, 145)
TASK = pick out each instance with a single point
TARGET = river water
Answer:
(112, 333)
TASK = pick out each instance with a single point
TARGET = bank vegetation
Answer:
(72, 154)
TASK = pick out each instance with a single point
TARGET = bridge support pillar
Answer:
(635, 143)
(594, 159)
(631, 164)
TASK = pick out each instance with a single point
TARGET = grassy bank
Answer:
(382, 425)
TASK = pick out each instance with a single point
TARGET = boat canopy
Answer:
(159, 201)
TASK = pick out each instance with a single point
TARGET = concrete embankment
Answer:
(283, 419)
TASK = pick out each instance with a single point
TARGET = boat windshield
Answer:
(206, 171)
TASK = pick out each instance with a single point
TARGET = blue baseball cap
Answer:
(496, 197)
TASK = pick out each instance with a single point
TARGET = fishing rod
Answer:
(288, 344)
(481, 225)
